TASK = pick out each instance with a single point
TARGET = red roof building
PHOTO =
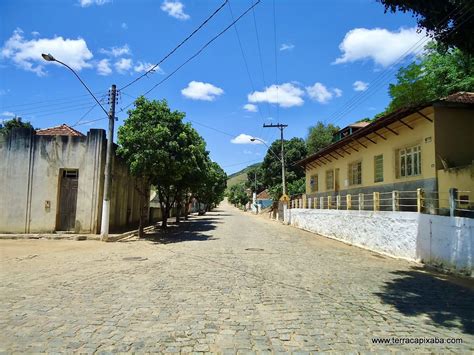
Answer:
(62, 130)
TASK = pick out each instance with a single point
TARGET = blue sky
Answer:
(329, 55)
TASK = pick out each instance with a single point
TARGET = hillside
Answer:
(239, 176)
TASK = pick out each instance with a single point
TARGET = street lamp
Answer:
(49, 58)
(280, 159)
(104, 225)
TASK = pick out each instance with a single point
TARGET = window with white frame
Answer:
(410, 161)
(355, 173)
(330, 179)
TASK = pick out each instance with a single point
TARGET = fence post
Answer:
(349, 201)
(419, 200)
(453, 196)
(321, 202)
(395, 200)
(305, 204)
(376, 199)
(361, 202)
(329, 202)
(338, 202)
(309, 202)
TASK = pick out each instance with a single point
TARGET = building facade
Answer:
(52, 181)
(427, 147)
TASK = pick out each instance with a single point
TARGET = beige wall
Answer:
(30, 167)
(459, 178)
(422, 134)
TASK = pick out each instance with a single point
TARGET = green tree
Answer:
(255, 173)
(211, 191)
(295, 150)
(237, 195)
(438, 73)
(450, 22)
(320, 136)
(297, 187)
(15, 122)
(160, 148)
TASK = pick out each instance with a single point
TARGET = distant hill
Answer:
(239, 176)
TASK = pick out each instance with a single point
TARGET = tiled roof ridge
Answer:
(56, 130)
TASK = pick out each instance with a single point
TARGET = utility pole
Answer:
(281, 127)
(104, 225)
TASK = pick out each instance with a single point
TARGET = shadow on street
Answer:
(194, 229)
(445, 303)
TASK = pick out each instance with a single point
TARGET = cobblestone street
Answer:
(224, 282)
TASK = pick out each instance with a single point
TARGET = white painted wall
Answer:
(437, 240)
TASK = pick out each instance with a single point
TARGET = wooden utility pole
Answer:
(281, 127)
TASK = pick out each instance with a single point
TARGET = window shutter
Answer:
(397, 163)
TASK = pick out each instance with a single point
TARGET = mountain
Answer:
(239, 176)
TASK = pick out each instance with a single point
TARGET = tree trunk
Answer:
(187, 208)
(140, 223)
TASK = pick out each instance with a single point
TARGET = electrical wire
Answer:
(384, 76)
(196, 53)
(152, 69)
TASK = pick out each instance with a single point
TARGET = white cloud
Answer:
(285, 95)
(318, 92)
(116, 51)
(103, 67)
(124, 26)
(250, 107)
(360, 85)
(123, 65)
(7, 114)
(287, 47)
(197, 90)
(142, 67)
(26, 54)
(244, 139)
(86, 3)
(174, 9)
(378, 44)
(35, 33)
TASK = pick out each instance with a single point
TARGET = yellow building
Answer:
(428, 147)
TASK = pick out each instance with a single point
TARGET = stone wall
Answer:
(437, 240)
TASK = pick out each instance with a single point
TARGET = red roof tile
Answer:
(62, 130)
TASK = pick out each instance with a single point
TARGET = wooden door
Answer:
(67, 200)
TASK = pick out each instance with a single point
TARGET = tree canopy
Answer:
(319, 136)
(438, 73)
(15, 122)
(450, 22)
(169, 154)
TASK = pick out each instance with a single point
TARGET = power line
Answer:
(244, 162)
(39, 104)
(245, 62)
(196, 53)
(381, 79)
(152, 69)
(276, 60)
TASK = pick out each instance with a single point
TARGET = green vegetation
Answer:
(240, 176)
(319, 136)
(237, 195)
(164, 151)
(439, 18)
(15, 122)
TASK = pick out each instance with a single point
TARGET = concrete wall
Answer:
(30, 168)
(422, 134)
(461, 178)
(446, 241)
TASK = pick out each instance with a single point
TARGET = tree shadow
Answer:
(446, 303)
(195, 229)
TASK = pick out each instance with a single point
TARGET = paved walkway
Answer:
(225, 282)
